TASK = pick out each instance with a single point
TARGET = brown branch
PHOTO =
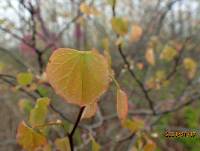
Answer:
(11, 80)
(37, 51)
(150, 101)
(15, 58)
(70, 135)
(177, 60)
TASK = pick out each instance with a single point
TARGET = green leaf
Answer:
(24, 78)
(119, 25)
(43, 90)
(62, 144)
(39, 112)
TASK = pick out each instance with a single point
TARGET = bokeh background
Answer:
(156, 61)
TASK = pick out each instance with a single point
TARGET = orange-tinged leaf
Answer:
(90, 110)
(140, 65)
(28, 138)
(136, 33)
(89, 10)
(63, 144)
(47, 148)
(119, 25)
(149, 55)
(122, 104)
(150, 146)
(78, 76)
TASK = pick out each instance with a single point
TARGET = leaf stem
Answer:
(70, 135)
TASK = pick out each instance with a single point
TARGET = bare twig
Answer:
(70, 135)
(150, 101)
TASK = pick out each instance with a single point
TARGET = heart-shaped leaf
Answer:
(78, 76)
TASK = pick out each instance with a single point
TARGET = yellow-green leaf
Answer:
(149, 55)
(39, 112)
(28, 138)
(62, 144)
(119, 25)
(80, 77)
(190, 66)
(122, 104)
(133, 125)
(95, 145)
(24, 78)
(168, 53)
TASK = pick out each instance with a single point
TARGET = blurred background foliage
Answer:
(155, 53)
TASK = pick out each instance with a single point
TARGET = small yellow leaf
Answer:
(28, 138)
(149, 55)
(190, 66)
(95, 145)
(85, 8)
(90, 110)
(24, 78)
(120, 25)
(80, 77)
(133, 125)
(136, 33)
(89, 10)
(122, 104)
(39, 112)
(150, 146)
(62, 144)
(168, 53)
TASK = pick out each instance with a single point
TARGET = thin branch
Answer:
(70, 136)
(150, 101)
(14, 57)
(5, 79)
(177, 60)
